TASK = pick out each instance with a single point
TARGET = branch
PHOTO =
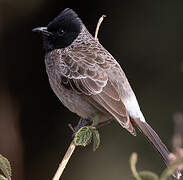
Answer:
(98, 26)
(65, 160)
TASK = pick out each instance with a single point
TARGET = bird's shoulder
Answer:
(90, 55)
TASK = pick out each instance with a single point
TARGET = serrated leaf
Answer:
(5, 167)
(148, 175)
(2, 177)
(83, 136)
(96, 139)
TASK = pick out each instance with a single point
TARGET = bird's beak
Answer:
(42, 30)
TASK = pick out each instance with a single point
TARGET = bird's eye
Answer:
(60, 32)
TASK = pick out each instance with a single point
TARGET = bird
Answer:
(89, 81)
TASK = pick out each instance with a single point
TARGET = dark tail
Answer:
(157, 143)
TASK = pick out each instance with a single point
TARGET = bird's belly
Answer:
(73, 101)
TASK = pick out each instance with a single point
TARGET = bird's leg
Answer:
(82, 122)
(86, 122)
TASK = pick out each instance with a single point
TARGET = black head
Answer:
(62, 31)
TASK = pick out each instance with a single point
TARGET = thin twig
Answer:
(65, 160)
(70, 126)
(98, 26)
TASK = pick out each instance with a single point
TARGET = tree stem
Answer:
(64, 162)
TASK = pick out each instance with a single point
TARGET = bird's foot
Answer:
(82, 123)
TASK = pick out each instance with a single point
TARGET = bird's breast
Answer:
(59, 84)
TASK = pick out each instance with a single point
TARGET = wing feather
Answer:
(87, 73)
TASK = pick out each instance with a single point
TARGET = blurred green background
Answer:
(144, 36)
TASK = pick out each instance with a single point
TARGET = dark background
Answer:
(144, 36)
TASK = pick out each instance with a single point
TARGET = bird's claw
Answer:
(81, 124)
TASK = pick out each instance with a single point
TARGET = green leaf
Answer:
(5, 167)
(2, 177)
(83, 136)
(148, 175)
(96, 139)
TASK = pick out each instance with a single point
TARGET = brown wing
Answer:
(86, 71)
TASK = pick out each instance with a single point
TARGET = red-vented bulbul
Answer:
(88, 80)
